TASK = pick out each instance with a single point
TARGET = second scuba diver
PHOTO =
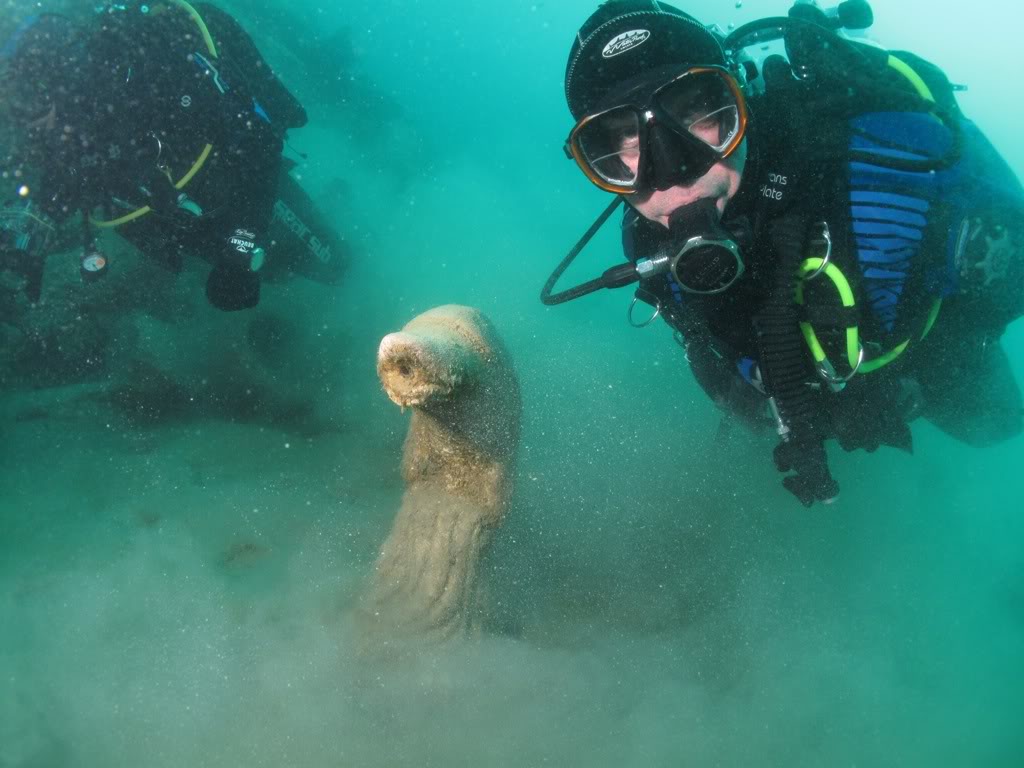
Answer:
(159, 120)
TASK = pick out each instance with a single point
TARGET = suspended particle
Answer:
(739, 3)
(23, 190)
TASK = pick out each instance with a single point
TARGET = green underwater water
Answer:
(185, 524)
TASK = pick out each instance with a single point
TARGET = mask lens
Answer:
(610, 145)
(703, 105)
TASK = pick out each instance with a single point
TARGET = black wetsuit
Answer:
(140, 103)
(895, 238)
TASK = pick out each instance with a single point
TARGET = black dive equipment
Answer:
(814, 51)
(702, 256)
(698, 252)
(22, 229)
(705, 259)
(781, 356)
(852, 14)
(24, 234)
(299, 238)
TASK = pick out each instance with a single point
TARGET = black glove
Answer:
(870, 434)
(812, 481)
(877, 416)
(234, 282)
(231, 288)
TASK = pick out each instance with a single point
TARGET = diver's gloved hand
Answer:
(858, 430)
(241, 250)
(879, 417)
(234, 283)
(872, 434)
(230, 288)
(812, 480)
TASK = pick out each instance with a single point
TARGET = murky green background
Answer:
(190, 501)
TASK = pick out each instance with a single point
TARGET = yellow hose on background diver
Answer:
(198, 164)
(915, 79)
(194, 14)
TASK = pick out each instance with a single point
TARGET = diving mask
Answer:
(656, 139)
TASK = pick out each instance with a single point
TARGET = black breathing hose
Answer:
(617, 276)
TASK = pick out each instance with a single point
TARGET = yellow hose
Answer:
(843, 287)
(207, 37)
(915, 79)
(201, 160)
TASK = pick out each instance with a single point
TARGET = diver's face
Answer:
(720, 184)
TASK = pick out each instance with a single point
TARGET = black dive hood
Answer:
(698, 252)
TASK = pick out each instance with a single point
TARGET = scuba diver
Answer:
(836, 246)
(163, 122)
